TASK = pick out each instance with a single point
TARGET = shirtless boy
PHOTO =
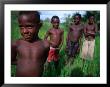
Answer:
(89, 42)
(55, 38)
(74, 36)
(29, 53)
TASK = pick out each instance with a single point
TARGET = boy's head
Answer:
(91, 19)
(29, 23)
(77, 18)
(55, 21)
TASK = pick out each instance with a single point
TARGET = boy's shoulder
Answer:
(15, 43)
(50, 29)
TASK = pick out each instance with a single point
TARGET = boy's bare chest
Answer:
(30, 50)
(90, 27)
(76, 28)
(55, 32)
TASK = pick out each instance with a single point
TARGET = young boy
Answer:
(56, 40)
(89, 42)
(74, 36)
(29, 53)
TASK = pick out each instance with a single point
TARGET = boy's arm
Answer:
(68, 35)
(13, 53)
(46, 36)
(86, 33)
(95, 31)
(68, 38)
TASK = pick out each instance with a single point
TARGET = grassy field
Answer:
(72, 69)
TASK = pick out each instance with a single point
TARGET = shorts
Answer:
(53, 55)
(73, 48)
(88, 49)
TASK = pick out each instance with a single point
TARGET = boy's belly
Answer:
(74, 38)
(55, 43)
(28, 69)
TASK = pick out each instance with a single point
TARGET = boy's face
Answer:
(55, 23)
(28, 27)
(91, 19)
(76, 19)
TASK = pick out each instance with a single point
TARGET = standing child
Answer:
(89, 42)
(55, 35)
(29, 53)
(74, 36)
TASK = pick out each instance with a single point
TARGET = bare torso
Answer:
(55, 37)
(90, 30)
(31, 58)
(75, 32)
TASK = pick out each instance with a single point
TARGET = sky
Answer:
(61, 14)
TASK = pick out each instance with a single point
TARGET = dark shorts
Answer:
(73, 48)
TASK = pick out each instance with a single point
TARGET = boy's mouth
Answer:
(27, 36)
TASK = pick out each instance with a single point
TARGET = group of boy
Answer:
(30, 53)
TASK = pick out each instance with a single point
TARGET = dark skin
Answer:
(75, 30)
(55, 34)
(90, 29)
(75, 33)
(29, 52)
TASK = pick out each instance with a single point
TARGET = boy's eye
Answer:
(21, 27)
(29, 27)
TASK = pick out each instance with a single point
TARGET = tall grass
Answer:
(71, 69)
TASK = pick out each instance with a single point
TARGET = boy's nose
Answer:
(56, 24)
(25, 30)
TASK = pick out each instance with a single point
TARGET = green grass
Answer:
(72, 69)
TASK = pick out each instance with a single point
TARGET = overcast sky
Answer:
(61, 14)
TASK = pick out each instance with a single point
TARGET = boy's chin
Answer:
(28, 39)
(56, 27)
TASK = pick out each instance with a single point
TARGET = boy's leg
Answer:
(69, 52)
(84, 50)
(75, 48)
(91, 49)
(67, 47)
